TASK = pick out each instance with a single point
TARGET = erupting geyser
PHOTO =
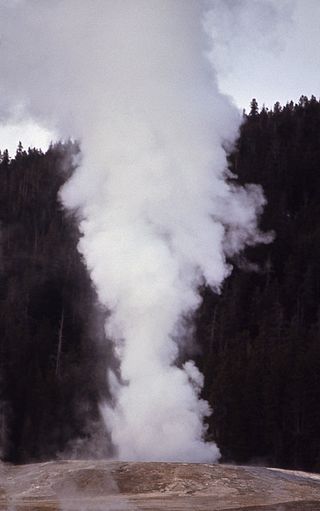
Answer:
(131, 80)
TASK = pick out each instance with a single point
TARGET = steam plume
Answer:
(131, 81)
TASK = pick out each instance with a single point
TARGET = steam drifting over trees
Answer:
(259, 339)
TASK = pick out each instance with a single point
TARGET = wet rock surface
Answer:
(122, 486)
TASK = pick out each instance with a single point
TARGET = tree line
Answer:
(53, 358)
(259, 339)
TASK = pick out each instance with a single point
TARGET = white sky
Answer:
(267, 49)
(30, 134)
(272, 57)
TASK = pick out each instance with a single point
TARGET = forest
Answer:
(258, 341)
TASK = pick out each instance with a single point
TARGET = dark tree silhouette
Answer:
(52, 358)
(262, 363)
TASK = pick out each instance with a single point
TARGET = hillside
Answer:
(258, 343)
(261, 338)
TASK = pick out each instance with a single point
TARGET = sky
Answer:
(267, 49)
(273, 52)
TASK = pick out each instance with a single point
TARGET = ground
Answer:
(121, 486)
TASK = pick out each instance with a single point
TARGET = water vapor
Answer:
(250, 39)
(159, 215)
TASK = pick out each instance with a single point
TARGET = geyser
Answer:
(130, 79)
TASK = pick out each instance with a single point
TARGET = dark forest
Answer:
(259, 340)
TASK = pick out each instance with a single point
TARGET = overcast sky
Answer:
(267, 49)
(273, 53)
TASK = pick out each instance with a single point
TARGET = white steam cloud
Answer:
(131, 81)
(256, 39)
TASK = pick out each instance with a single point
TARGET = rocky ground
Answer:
(120, 486)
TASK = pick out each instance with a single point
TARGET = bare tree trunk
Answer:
(59, 342)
